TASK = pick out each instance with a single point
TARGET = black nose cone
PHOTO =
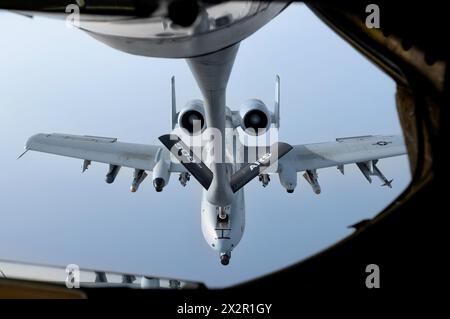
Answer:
(159, 184)
(224, 260)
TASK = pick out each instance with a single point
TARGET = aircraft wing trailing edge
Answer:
(364, 151)
(110, 151)
(345, 151)
(97, 149)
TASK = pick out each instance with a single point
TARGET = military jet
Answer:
(221, 148)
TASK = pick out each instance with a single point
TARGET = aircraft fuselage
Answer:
(223, 225)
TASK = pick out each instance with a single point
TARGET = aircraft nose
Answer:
(224, 245)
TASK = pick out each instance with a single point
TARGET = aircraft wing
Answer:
(98, 149)
(364, 151)
(344, 151)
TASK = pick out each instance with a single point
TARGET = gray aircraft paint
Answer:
(223, 198)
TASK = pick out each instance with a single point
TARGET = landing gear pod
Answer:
(161, 171)
(288, 177)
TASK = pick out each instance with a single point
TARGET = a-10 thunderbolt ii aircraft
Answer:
(206, 145)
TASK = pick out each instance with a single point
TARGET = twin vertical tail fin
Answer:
(173, 116)
(202, 173)
(276, 107)
(275, 152)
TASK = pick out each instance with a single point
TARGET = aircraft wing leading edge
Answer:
(98, 149)
(344, 151)
(364, 151)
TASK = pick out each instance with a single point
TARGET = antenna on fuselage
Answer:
(174, 104)
(276, 111)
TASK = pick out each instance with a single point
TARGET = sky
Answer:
(57, 79)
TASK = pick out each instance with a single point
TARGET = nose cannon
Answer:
(225, 258)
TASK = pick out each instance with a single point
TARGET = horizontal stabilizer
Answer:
(188, 159)
(251, 170)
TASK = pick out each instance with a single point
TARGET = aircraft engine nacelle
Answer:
(255, 117)
(192, 117)
(161, 174)
(288, 177)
